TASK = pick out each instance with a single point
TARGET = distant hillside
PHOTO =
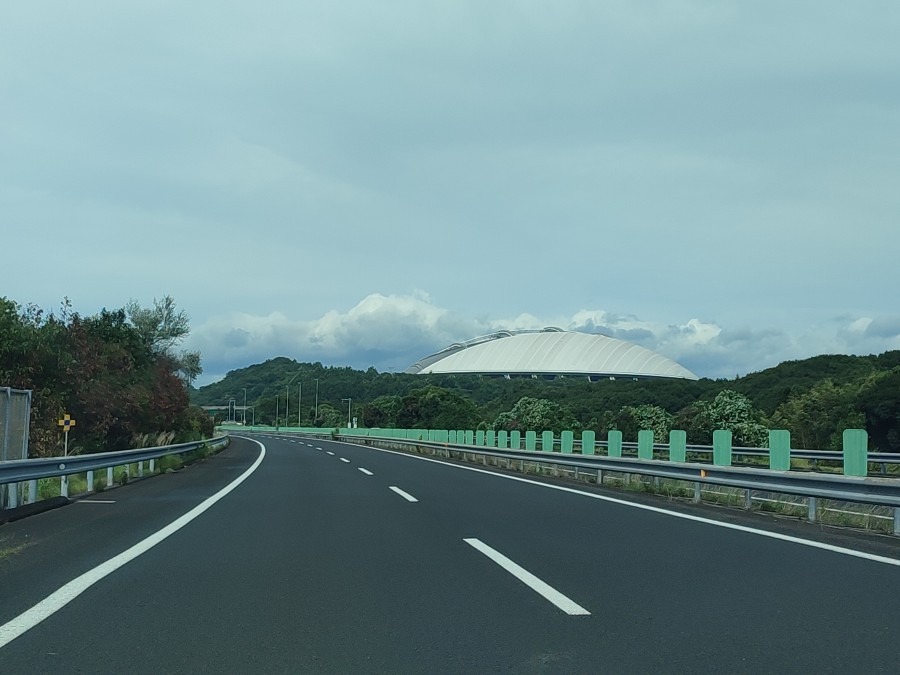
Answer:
(812, 397)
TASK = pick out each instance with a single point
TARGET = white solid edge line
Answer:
(539, 586)
(68, 592)
(408, 497)
(365, 471)
(345, 460)
(656, 509)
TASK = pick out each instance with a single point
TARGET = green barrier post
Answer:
(779, 450)
(614, 439)
(722, 447)
(856, 452)
(645, 444)
(588, 442)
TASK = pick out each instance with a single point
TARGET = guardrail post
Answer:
(515, 439)
(722, 447)
(503, 439)
(677, 445)
(779, 450)
(140, 470)
(32, 492)
(645, 444)
(109, 476)
(547, 441)
(567, 442)
(588, 442)
(90, 481)
(530, 440)
(614, 443)
(897, 520)
(152, 466)
(856, 452)
(13, 494)
(811, 509)
(63, 486)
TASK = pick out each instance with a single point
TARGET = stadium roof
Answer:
(551, 351)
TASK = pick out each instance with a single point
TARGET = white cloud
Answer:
(390, 332)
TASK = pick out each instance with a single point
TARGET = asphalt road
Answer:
(333, 558)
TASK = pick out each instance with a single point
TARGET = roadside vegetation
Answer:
(815, 399)
(117, 373)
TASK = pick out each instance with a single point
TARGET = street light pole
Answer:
(349, 402)
(316, 420)
(299, 404)
(287, 398)
(244, 414)
(276, 411)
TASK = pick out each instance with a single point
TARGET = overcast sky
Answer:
(363, 183)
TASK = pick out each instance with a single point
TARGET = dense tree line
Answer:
(116, 373)
(816, 399)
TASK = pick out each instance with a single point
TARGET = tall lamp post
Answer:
(244, 413)
(299, 404)
(316, 414)
(276, 411)
(349, 401)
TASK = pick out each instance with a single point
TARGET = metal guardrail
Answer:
(863, 490)
(25, 470)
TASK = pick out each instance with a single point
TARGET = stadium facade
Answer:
(551, 352)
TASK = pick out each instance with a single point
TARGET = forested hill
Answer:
(815, 398)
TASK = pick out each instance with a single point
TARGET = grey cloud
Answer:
(884, 327)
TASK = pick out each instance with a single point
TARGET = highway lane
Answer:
(314, 565)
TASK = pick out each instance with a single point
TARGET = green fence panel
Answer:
(567, 441)
(547, 441)
(479, 437)
(470, 437)
(645, 444)
(614, 440)
(490, 438)
(453, 435)
(442, 436)
(588, 442)
(780, 450)
(722, 447)
(677, 445)
(856, 452)
(502, 439)
(531, 440)
(515, 439)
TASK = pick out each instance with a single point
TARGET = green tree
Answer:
(879, 402)
(434, 407)
(818, 417)
(632, 419)
(382, 412)
(729, 410)
(537, 414)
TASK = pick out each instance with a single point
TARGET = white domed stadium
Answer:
(550, 352)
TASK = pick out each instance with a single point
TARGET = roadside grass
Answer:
(48, 488)
(8, 550)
